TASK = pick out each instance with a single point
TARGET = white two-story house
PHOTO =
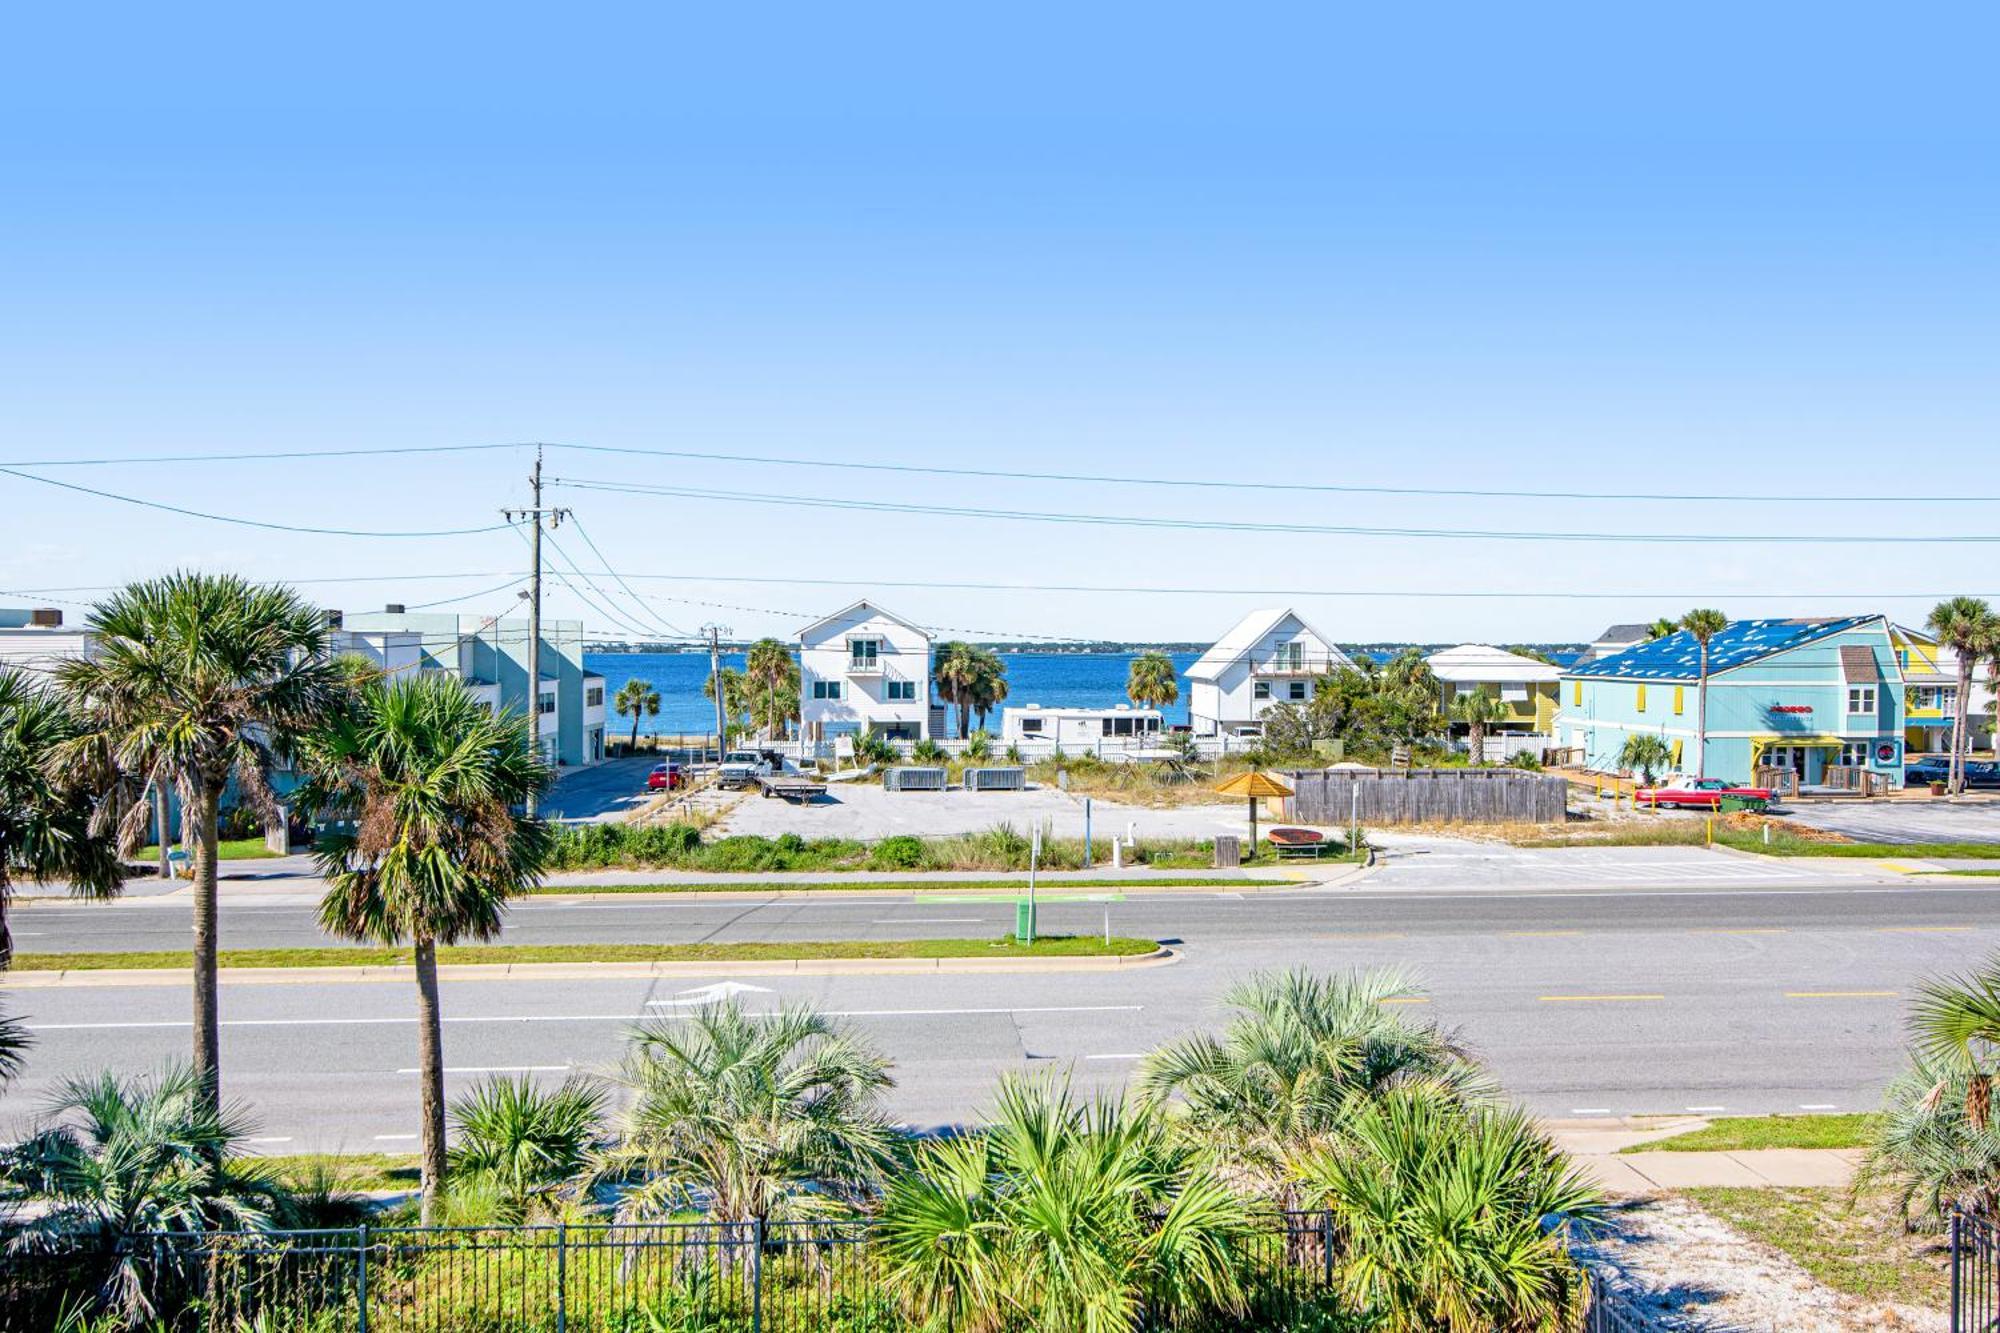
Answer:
(864, 669)
(1271, 657)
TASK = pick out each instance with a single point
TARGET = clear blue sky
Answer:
(1740, 250)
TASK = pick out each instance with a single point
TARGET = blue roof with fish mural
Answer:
(1678, 656)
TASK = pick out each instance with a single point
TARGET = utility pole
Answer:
(715, 633)
(535, 515)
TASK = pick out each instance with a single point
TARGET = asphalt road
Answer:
(1639, 987)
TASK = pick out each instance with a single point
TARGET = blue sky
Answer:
(1538, 248)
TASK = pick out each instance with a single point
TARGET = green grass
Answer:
(1048, 946)
(1970, 871)
(229, 849)
(1681, 830)
(1019, 883)
(1857, 1247)
(1736, 1133)
(1943, 851)
(353, 1171)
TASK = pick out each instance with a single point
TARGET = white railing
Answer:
(1112, 749)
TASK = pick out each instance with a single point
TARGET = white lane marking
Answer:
(566, 1018)
(711, 994)
(1115, 1057)
(495, 1069)
(1817, 1106)
(1707, 1108)
(394, 1138)
(1590, 1110)
(278, 1138)
(929, 921)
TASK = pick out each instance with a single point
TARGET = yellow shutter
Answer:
(1576, 694)
(1680, 699)
(1642, 698)
(1677, 754)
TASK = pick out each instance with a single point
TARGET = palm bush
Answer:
(979, 745)
(1303, 1056)
(1061, 1216)
(14, 1044)
(1925, 1149)
(121, 1158)
(522, 1141)
(928, 751)
(749, 1117)
(1451, 1219)
(872, 747)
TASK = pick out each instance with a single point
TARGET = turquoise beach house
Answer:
(1797, 694)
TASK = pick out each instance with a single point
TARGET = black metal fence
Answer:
(819, 1277)
(1975, 1274)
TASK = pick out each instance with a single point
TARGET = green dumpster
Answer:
(1024, 921)
(1730, 805)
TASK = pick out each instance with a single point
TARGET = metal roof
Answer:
(1477, 662)
(852, 607)
(1678, 656)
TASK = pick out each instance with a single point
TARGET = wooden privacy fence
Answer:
(1428, 796)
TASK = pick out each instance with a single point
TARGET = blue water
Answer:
(1053, 680)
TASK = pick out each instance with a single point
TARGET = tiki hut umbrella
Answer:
(1255, 786)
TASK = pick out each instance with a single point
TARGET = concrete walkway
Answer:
(1602, 1149)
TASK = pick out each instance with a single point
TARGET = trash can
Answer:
(1024, 921)
(1228, 852)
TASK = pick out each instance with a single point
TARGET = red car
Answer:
(1701, 794)
(664, 777)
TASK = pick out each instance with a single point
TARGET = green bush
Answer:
(902, 852)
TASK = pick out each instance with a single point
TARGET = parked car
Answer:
(665, 777)
(1980, 774)
(1702, 794)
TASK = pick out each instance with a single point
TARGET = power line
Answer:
(240, 522)
(1224, 525)
(1009, 474)
(584, 533)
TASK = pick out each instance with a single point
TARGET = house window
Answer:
(548, 701)
(1854, 754)
(902, 691)
(1296, 690)
(1513, 693)
(1295, 655)
(826, 689)
(1261, 690)
(1861, 700)
(1118, 726)
(1031, 726)
(594, 697)
(1642, 698)
(863, 652)
(1680, 700)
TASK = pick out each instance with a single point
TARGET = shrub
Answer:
(928, 751)
(979, 745)
(901, 852)
(1527, 762)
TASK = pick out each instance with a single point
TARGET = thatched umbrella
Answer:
(1255, 786)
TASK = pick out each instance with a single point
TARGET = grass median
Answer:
(1743, 1133)
(761, 951)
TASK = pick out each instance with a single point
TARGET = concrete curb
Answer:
(780, 967)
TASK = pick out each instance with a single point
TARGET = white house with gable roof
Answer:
(1271, 657)
(864, 669)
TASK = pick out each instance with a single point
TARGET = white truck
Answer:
(742, 768)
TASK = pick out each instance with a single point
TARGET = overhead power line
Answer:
(1261, 526)
(1013, 474)
(242, 522)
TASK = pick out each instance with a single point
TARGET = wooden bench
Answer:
(1297, 842)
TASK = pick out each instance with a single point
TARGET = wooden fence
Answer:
(1428, 796)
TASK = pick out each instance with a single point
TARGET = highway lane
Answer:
(1586, 1000)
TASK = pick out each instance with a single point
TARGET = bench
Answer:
(1297, 842)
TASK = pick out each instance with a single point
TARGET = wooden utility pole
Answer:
(535, 515)
(715, 633)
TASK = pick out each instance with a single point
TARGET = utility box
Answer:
(1024, 921)
(996, 779)
(1228, 852)
(914, 779)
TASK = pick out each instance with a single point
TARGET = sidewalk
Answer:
(1599, 1148)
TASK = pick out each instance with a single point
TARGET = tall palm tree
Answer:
(1662, 628)
(772, 675)
(1478, 710)
(121, 1159)
(955, 672)
(1151, 682)
(1301, 1056)
(1451, 1219)
(1066, 1216)
(989, 685)
(50, 821)
(1968, 627)
(431, 849)
(199, 681)
(1704, 625)
(634, 697)
(750, 1117)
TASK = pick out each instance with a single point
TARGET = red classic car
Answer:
(1701, 794)
(664, 777)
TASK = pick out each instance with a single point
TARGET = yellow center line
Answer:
(1586, 999)
(1920, 930)
(1841, 994)
(1406, 999)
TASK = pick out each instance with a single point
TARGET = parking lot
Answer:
(1904, 819)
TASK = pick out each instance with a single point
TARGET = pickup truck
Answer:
(742, 768)
(1701, 794)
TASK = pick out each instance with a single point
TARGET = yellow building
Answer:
(1524, 686)
(1930, 673)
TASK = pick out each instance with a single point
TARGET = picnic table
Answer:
(1297, 842)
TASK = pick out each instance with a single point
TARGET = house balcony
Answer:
(867, 666)
(1283, 664)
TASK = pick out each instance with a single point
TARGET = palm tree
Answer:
(14, 1044)
(1926, 1151)
(199, 681)
(988, 689)
(1451, 1219)
(1704, 625)
(1955, 1023)
(522, 1141)
(954, 674)
(1646, 755)
(1478, 710)
(750, 1117)
(122, 1159)
(431, 849)
(634, 697)
(1662, 628)
(1063, 1216)
(1301, 1057)
(48, 817)
(735, 698)
(1968, 627)
(1151, 682)
(772, 675)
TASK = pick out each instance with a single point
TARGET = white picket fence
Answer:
(1111, 749)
